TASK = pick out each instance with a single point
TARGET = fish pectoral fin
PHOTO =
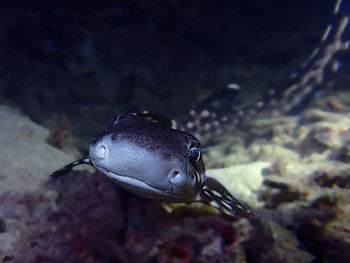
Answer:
(215, 194)
(68, 167)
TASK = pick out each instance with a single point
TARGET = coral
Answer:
(280, 245)
(303, 191)
(62, 224)
(84, 218)
(297, 181)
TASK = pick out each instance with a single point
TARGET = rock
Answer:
(26, 160)
(285, 246)
(243, 181)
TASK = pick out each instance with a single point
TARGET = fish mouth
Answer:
(140, 187)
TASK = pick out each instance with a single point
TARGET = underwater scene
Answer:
(175, 131)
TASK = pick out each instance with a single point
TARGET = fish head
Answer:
(149, 159)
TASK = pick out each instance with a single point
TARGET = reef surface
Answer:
(296, 179)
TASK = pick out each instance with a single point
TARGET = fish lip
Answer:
(107, 172)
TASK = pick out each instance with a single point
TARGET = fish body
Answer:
(158, 162)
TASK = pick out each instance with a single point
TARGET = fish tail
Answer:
(310, 78)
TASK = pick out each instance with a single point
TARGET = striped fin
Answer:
(215, 194)
(66, 168)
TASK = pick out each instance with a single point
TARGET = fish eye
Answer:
(194, 153)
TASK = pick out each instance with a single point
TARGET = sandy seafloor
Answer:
(70, 68)
(297, 181)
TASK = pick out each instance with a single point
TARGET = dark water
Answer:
(84, 61)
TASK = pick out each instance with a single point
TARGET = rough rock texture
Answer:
(306, 185)
(244, 180)
(297, 180)
(87, 219)
(26, 159)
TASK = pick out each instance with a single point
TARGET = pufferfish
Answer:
(149, 158)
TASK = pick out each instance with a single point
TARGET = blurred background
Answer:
(77, 63)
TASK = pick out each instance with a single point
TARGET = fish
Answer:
(219, 115)
(160, 159)
(150, 158)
